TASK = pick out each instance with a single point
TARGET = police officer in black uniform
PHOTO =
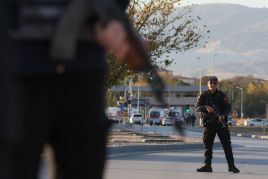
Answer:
(214, 107)
(55, 101)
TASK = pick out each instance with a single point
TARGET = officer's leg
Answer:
(224, 136)
(80, 135)
(208, 139)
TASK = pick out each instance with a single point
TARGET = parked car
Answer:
(231, 121)
(137, 119)
(156, 115)
(173, 115)
(257, 122)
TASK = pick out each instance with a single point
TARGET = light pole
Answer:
(200, 85)
(212, 66)
(130, 84)
(241, 104)
(168, 97)
(125, 93)
(138, 101)
(130, 93)
(200, 79)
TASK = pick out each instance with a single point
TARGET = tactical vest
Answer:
(37, 19)
(62, 22)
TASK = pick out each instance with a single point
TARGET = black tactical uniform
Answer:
(48, 101)
(215, 123)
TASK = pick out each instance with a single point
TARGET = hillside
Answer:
(237, 45)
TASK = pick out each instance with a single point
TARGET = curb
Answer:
(111, 151)
(259, 136)
(253, 136)
(243, 135)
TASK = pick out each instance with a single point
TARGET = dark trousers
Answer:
(209, 134)
(66, 111)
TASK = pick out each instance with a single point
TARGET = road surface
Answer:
(251, 157)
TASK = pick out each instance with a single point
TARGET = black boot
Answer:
(233, 169)
(205, 168)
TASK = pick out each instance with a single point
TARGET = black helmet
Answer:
(213, 78)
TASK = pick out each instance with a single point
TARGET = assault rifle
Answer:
(217, 116)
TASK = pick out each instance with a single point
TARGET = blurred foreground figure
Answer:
(214, 107)
(52, 68)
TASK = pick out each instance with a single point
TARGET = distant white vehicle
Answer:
(137, 119)
(113, 113)
(257, 122)
(172, 116)
(156, 115)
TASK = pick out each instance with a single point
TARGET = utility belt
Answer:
(212, 120)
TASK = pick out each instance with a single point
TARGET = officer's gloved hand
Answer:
(222, 118)
(210, 109)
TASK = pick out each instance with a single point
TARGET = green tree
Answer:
(165, 28)
(255, 95)
(111, 98)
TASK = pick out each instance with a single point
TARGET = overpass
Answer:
(175, 96)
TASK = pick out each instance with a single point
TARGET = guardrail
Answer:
(251, 130)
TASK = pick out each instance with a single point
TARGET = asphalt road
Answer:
(251, 157)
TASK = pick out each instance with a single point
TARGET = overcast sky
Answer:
(250, 3)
